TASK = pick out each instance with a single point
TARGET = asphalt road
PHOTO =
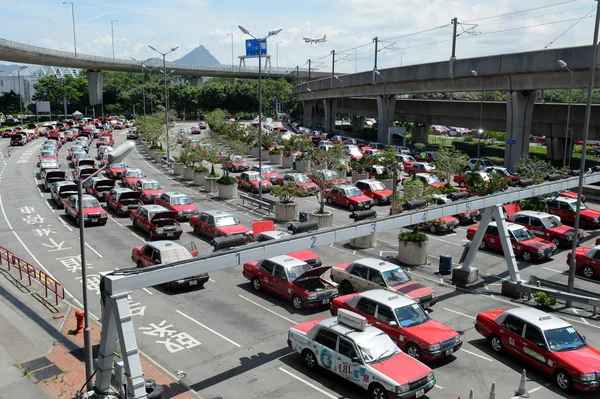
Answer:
(232, 340)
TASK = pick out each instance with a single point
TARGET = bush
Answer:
(287, 192)
(412, 236)
(384, 176)
(545, 301)
(227, 180)
(276, 151)
(534, 204)
(446, 189)
(201, 169)
(212, 172)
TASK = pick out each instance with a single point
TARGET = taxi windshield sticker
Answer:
(534, 355)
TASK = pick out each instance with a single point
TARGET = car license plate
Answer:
(194, 282)
(449, 351)
(420, 393)
(324, 301)
(94, 220)
(169, 234)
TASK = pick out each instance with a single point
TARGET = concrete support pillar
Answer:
(358, 123)
(385, 114)
(196, 81)
(519, 111)
(306, 113)
(95, 86)
(420, 133)
(329, 115)
(556, 148)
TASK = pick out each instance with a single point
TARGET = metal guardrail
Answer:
(558, 291)
(265, 203)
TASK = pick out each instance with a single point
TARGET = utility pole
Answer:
(332, 66)
(376, 40)
(453, 57)
(309, 70)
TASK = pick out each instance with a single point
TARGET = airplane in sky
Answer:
(312, 40)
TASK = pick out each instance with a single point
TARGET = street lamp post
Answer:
(260, 41)
(169, 74)
(20, 95)
(480, 130)
(73, 17)
(277, 57)
(166, 96)
(143, 83)
(313, 108)
(112, 33)
(117, 155)
(231, 34)
(151, 94)
(563, 64)
(342, 113)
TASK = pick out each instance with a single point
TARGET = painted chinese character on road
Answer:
(175, 341)
(56, 246)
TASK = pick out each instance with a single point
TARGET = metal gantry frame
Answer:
(117, 322)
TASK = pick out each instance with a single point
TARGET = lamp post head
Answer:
(152, 47)
(121, 152)
(562, 64)
(309, 90)
(474, 73)
(274, 32)
(243, 29)
(174, 48)
(134, 59)
(172, 70)
(480, 131)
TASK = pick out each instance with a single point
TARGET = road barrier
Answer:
(27, 269)
(559, 291)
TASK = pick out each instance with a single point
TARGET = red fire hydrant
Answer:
(79, 315)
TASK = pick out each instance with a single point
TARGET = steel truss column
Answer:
(476, 242)
(117, 322)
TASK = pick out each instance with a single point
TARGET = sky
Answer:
(409, 31)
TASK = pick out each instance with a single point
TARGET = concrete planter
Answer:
(276, 159)
(188, 173)
(199, 178)
(286, 212)
(247, 150)
(359, 176)
(254, 152)
(364, 242)
(288, 162)
(388, 183)
(146, 147)
(412, 253)
(302, 166)
(178, 168)
(210, 184)
(228, 191)
(323, 219)
(151, 153)
(158, 156)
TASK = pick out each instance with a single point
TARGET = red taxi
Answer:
(460, 179)
(195, 130)
(565, 208)
(123, 200)
(99, 186)
(130, 176)
(268, 173)
(304, 255)
(512, 178)
(376, 190)
(320, 175)
(93, 213)
(547, 226)
(445, 224)
(149, 188)
(236, 163)
(105, 140)
(545, 342)
(427, 180)
(252, 180)
(301, 181)
(178, 202)
(420, 167)
(73, 149)
(407, 160)
(292, 279)
(348, 196)
(216, 224)
(115, 170)
(47, 156)
(525, 244)
(404, 320)
(587, 260)
(157, 221)
(570, 194)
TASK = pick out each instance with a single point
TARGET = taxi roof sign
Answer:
(545, 317)
(352, 319)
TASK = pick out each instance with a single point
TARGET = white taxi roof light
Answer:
(548, 317)
(393, 297)
(352, 319)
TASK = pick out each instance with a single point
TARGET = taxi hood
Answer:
(433, 332)
(130, 195)
(312, 273)
(55, 174)
(536, 242)
(402, 369)
(585, 360)
(413, 290)
(235, 229)
(164, 215)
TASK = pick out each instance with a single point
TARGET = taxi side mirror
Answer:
(393, 324)
(355, 359)
(541, 345)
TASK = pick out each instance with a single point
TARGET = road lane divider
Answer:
(209, 329)
(267, 309)
(459, 313)
(307, 383)
(475, 354)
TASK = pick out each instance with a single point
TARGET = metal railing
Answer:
(559, 291)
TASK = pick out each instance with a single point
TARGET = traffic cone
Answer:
(471, 395)
(522, 391)
(493, 391)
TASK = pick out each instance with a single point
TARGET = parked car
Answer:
(460, 179)
(565, 209)
(47, 156)
(157, 221)
(445, 224)
(420, 167)
(216, 224)
(478, 164)
(513, 179)
(178, 202)
(83, 171)
(123, 200)
(268, 173)
(301, 181)
(236, 163)
(51, 164)
(93, 213)
(252, 180)
(348, 196)
(130, 176)
(115, 170)
(99, 186)
(321, 175)
(547, 226)
(304, 255)
(51, 176)
(18, 139)
(376, 190)
(149, 188)
(427, 179)
(62, 190)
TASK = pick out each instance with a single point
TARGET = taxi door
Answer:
(345, 367)
(375, 280)
(510, 333)
(279, 282)
(535, 350)
(142, 219)
(383, 318)
(111, 200)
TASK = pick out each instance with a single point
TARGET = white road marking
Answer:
(5, 163)
(530, 391)
(4, 213)
(475, 354)
(93, 250)
(135, 235)
(462, 314)
(316, 388)
(268, 310)
(50, 206)
(575, 310)
(113, 219)
(211, 280)
(552, 270)
(65, 223)
(148, 291)
(209, 329)
(437, 386)
(584, 320)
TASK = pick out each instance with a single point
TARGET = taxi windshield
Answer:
(91, 203)
(432, 180)
(296, 271)
(522, 235)
(411, 315)
(550, 222)
(135, 173)
(181, 200)
(395, 277)
(227, 220)
(330, 174)
(76, 148)
(378, 348)
(79, 154)
(302, 179)
(353, 192)
(574, 206)
(151, 186)
(118, 165)
(253, 177)
(47, 154)
(378, 186)
(267, 169)
(237, 158)
(564, 339)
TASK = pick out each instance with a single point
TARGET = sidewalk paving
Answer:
(40, 358)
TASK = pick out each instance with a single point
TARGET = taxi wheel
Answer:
(432, 229)
(556, 242)
(197, 230)
(310, 360)
(329, 200)
(483, 245)
(526, 255)
(462, 184)
(297, 302)
(563, 380)
(377, 391)
(351, 207)
(413, 351)
(346, 288)
(376, 201)
(151, 234)
(140, 264)
(588, 271)
(496, 343)
(256, 284)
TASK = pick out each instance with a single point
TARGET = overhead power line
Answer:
(570, 27)
(523, 11)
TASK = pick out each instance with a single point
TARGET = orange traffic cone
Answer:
(522, 391)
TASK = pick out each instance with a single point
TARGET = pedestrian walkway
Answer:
(41, 357)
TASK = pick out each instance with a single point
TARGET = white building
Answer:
(22, 80)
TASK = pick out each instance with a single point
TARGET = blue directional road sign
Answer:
(511, 141)
(252, 47)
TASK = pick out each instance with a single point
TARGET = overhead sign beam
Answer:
(127, 280)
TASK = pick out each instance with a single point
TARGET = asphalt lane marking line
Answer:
(267, 309)
(575, 310)
(439, 387)
(148, 291)
(209, 329)
(4, 213)
(65, 223)
(475, 354)
(530, 391)
(211, 280)
(139, 237)
(50, 206)
(93, 250)
(316, 388)
(584, 320)
(440, 239)
(552, 270)
(111, 218)
(462, 314)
